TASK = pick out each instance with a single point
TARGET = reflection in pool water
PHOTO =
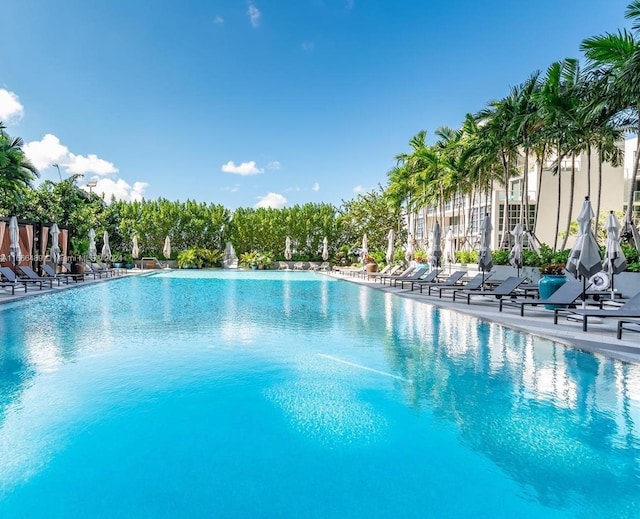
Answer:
(293, 394)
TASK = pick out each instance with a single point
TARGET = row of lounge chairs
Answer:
(29, 278)
(515, 291)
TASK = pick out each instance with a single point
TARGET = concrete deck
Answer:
(600, 337)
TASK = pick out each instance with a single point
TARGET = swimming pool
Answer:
(268, 394)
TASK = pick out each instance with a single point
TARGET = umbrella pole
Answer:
(584, 292)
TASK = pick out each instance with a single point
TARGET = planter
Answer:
(117, 265)
(371, 267)
(77, 268)
(548, 284)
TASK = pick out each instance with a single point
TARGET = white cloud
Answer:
(107, 188)
(357, 189)
(10, 107)
(316, 187)
(46, 152)
(49, 151)
(254, 15)
(275, 200)
(274, 165)
(246, 168)
(218, 20)
(231, 189)
(308, 45)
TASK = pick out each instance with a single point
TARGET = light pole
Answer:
(58, 168)
(91, 184)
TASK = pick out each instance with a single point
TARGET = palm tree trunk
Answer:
(571, 193)
(599, 191)
(555, 236)
(524, 196)
(589, 172)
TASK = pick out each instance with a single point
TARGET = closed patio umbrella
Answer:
(614, 259)
(55, 247)
(166, 250)
(365, 247)
(411, 249)
(135, 250)
(584, 258)
(515, 256)
(92, 253)
(449, 253)
(287, 248)
(391, 239)
(14, 241)
(436, 249)
(106, 250)
(325, 249)
(485, 259)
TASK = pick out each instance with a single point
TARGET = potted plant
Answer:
(128, 260)
(420, 256)
(116, 259)
(79, 251)
(370, 264)
(552, 278)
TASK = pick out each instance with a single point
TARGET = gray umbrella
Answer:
(287, 248)
(325, 249)
(614, 259)
(390, 245)
(14, 236)
(55, 247)
(485, 259)
(92, 253)
(584, 258)
(515, 256)
(436, 249)
(106, 250)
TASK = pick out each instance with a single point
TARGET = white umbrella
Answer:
(166, 250)
(287, 248)
(106, 250)
(365, 247)
(515, 256)
(436, 249)
(391, 237)
(410, 251)
(449, 253)
(485, 259)
(614, 259)
(135, 250)
(584, 258)
(92, 253)
(325, 249)
(55, 248)
(14, 237)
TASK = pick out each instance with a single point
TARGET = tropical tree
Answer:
(616, 57)
(16, 171)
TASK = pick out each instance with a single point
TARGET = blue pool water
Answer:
(259, 394)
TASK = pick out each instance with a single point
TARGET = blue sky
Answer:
(271, 102)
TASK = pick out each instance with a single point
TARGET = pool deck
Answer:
(600, 337)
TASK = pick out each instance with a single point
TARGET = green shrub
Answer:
(500, 257)
(199, 258)
(467, 256)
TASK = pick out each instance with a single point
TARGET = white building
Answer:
(612, 191)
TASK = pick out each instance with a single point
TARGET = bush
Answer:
(500, 257)
(466, 256)
(199, 258)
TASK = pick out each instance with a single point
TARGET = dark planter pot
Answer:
(128, 265)
(77, 268)
(548, 284)
(117, 265)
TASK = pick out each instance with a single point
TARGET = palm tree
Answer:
(617, 58)
(16, 171)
